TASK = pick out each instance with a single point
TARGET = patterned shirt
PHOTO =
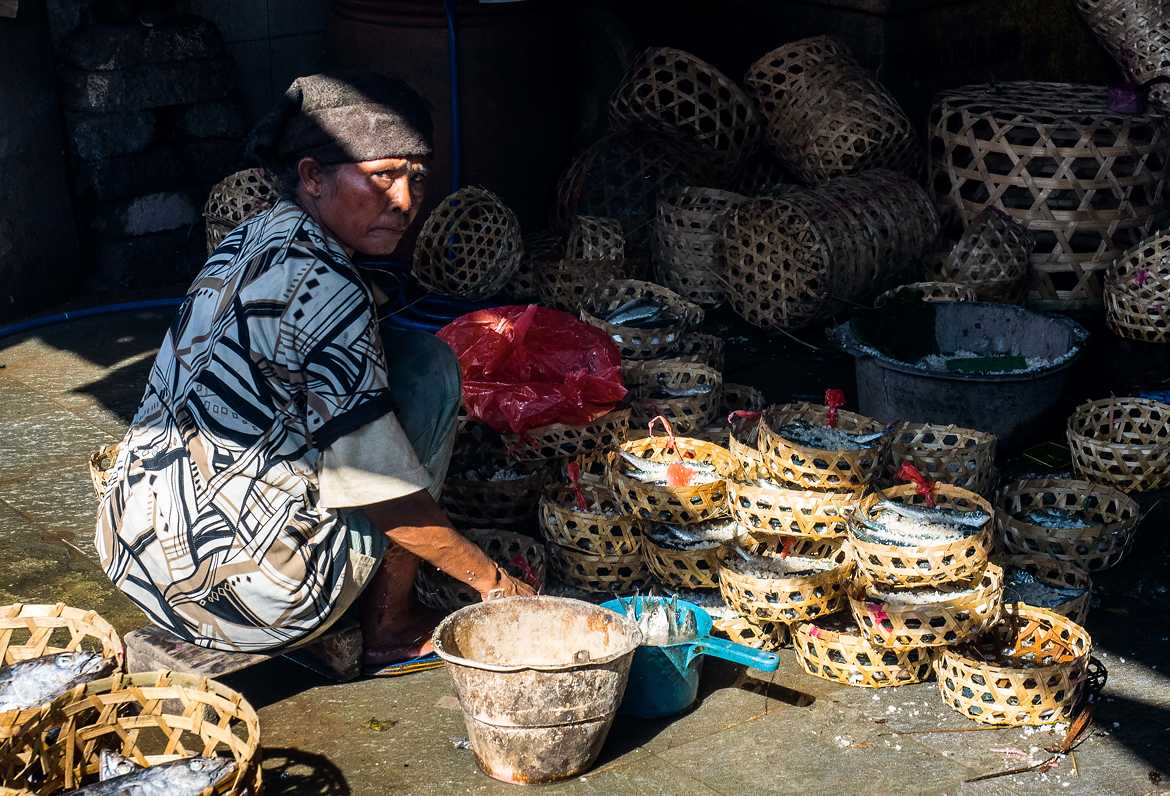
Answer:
(211, 522)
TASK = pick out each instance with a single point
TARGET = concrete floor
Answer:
(68, 389)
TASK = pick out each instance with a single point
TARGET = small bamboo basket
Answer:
(1113, 515)
(694, 568)
(601, 529)
(559, 441)
(783, 598)
(770, 636)
(686, 413)
(1058, 573)
(793, 512)
(1137, 291)
(1136, 34)
(996, 692)
(507, 504)
(634, 343)
(742, 397)
(235, 199)
(1136, 318)
(912, 625)
(608, 575)
(706, 349)
(916, 566)
(809, 468)
(1122, 442)
(673, 505)
(30, 630)
(441, 592)
(931, 292)
(833, 648)
(945, 454)
(565, 284)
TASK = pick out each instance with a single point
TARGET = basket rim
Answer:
(801, 407)
(870, 500)
(1081, 486)
(1081, 414)
(858, 591)
(955, 654)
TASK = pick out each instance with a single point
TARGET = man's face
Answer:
(369, 205)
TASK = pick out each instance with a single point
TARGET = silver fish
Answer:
(655, 472)
(700, 536)
(768, 567)
(936, 516)
(1055, 518)
(662, 622)
(34, 682)
(641, 313)
(187, 777)
(826, 438)
(690, 626)
(663, 391)
(1021, 586)
(112, 764)
(890, 528)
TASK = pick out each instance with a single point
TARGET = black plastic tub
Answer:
(887, 346)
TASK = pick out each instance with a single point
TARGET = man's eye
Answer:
(418, 177)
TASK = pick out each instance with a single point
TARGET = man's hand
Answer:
(507, 586)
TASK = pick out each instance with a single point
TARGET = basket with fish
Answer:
(644, 320)
(1084, 523)
(566, 283)
(935, 616)
(687, 556)
(1123, 442)
(765, 580)
(146, 733)
(493, 491)
(1031, 668)
(763, 506)
(521, 556)
(560, 441)
(587, 518)
(1062, 587)
(685, 393)
(598, 574)
(833, 648)
(925, 291)
(909, 537)
(946, 454)
(802, 446)
(700, 347)
(770, 636)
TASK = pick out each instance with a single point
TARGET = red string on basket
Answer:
(876, 611)
(745, 414)
(574, 471)
(814, 631)
(677, 473)
(908, 472)
(529, 575)
(786, 548)
(834, 399)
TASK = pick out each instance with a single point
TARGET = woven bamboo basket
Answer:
(1054, 572)
(593, 238)
(101, 467)
(441, 592)
(669, 504)
(793, 512)
(833, 648)
(686, 413)
(1085, 181)
(149, 717)
(1123, 442)
(674, 93)
(593, 467)
(809, 468)
(559, 441)
(742, 397)
(601, 529)
(1137, 291)
(916, 566)
(607, 575)
(469, 246)
(926, 291)
(770, 636)
(634, 343)
(947, 454)
(541, 250)
(696, 568)
(762, 174)
(566, 284)
(991, 256)
(688, 245)
(507, 504)
(743, 445)
(30, 630)
(788, 599)
(235, 199)
(1112, 515)
(706, 349)
(1135, 32)
(906, 625)
(1136, 318)
(986, 685)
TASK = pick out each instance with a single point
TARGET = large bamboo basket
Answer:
(149, 717)
(706, 349)
(770, 636)
(566, 283)
(599, 530)
(441, 592)
(1001, 694)
(235, 199)
(809, 468)
(1085, 181)
(668, 504)
(686, 413)
(505, 504)
(924, 565)
(946, 454)
(784, 598)
(794, 512)
(559, 441)
(1113, 515)
(1122, 442)
(469, 246)
(1055, 572)
(634, 343)
(683, 569)
(1135, 32)
(688, 246)
(932, 292)
(905, 626)
(833, 648)
(603, 575)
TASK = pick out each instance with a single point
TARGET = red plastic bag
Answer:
(525, 367)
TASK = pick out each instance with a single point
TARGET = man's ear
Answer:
(311, 175)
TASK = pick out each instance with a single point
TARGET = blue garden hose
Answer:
(33, 324)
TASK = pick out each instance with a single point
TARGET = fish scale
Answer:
(34, 682)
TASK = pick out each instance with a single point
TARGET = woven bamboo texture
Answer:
(742, 397)
(683, 569)
(235, 199)
(1112, 515)
(674, 93)
(149, 717)
(793, 260)
(559, 441)
(566, 284)
(541, 250)
(745, 451)
(809, 468)
(593, 238)
(912, 625)
(1137, 291)
(686, 413)
(1135, 32)
(833, 648)
(794, 512)
(1055, 572)
(603, 575)
(101, 467)
(593, 467)
(770, 636)
(29, 630)
(782, 598)
(992, 256)
(762, 174)
(632, 342)
(441, 592)
(688, 244)
(1123, 442)
(508, 504)
(916, 566)
(469, 246)
(1085, 181)
(601, 529)
(947, 454)
(996, 692)
(706, 349)
(926, 291)
(683, 505)
(1136, 318)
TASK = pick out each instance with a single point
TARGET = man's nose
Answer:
(400, 197)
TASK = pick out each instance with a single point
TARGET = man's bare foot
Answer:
(402, 641)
